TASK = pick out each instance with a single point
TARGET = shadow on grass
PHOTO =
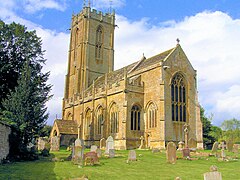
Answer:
(43, 168)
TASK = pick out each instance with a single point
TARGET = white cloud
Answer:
(211, 42)
(32, 6)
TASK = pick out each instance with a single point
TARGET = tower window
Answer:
(152, 116)
(99, 42)
(178, 98)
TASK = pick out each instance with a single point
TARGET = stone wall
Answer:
(5, 130)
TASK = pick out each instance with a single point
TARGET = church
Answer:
(152, 98)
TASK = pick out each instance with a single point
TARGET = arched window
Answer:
(99, 120)
(135, 118)
(152, 116)
(178, 97)
(99, 42)
(87, 122)
(114, 119)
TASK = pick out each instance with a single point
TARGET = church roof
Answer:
(66, 126)
(118, 75)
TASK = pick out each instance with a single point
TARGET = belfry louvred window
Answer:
(178, 98)
(99, 42)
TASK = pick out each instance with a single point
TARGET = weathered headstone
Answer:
(186, 152)
(41, 143)
(102, 143)
(235, 149)
(180, 145)
(215, 148)
(109, 144)
(91, 158)
(213, 175)
(111, 153)
(93, 148)
(223, 154)
(132, 155)
(55, 143)
(171, 153)
(229, 145)
(99, 152)
(78, 151)
(142, 140)
(192, 143)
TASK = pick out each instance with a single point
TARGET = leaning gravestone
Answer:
(111, 153)
(215, 148)
(132, 155)
(109, 144)
(171, 153)
(93, 148)
(55, 143)
(229, 145)
(213, 175)
(78, 152)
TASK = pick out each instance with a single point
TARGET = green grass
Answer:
(149, 166)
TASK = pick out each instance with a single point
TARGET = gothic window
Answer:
(99, 120)
(99, 42)
(87, 122)
(178, 98)
(135, 118)
(152, 116)
(114, 119)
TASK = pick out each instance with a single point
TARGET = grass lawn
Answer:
(149, 166)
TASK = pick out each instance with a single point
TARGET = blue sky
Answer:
(209, 31)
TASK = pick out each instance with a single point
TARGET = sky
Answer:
(209, 33)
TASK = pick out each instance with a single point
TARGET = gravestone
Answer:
(186, 152)
(213, 175)
(180, 145)
(93, 148)
(192, 143)
(141, 145)
(90, 158)
(229, 145)
(235, 149)
(55, 143)
(171, 153)
(223, 154)
(111, 153)
(99, 152)
(109, 144)
(78, 152)
(102, 143)
(132, 155)
(41, 143)
(215, 148)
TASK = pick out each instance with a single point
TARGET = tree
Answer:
(17, 46)
(210, 133)
(25, 109)
(231, 129)
(23, 89)
(45, 131)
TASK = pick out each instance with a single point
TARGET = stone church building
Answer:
(153, 97)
